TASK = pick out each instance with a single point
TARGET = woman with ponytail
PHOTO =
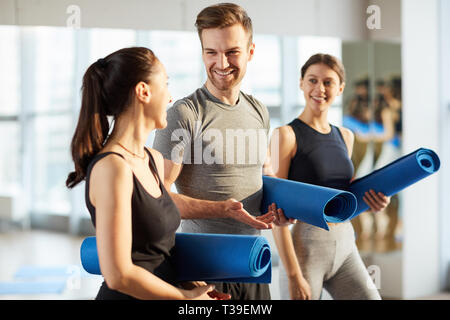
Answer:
(134, 216)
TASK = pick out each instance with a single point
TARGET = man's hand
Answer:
(235, 210)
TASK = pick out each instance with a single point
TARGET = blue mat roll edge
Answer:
(396, 176)
(89, 255)
(261, 274)
(222, 258)
(307, 202)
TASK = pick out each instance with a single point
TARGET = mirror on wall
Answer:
(372, 105)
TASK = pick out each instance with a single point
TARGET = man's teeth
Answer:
(319, 98)
(220, 73)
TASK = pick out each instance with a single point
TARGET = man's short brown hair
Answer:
(224, 15)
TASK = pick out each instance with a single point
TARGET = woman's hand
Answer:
(280, 219)
(199, 293)
(211, 294)
(299, 288)
(376, 201)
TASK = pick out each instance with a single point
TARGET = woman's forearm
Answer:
(285, 246)
(144, 285)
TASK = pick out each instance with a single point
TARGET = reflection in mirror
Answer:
(372, 110)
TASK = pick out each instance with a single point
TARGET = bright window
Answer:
(263, 77)
(105, 41)
(9, 70)
(10, 161)
(52, 163)
(10, 133)
(53, 69)
(180, 53)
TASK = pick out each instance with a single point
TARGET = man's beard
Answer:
(222, 84)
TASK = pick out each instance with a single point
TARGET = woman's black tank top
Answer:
(154, 223)
(321, 159)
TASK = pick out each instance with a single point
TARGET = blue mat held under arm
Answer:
(207, 257)
(309, 203)
(223, 258)
(89, 255)
(396, 176)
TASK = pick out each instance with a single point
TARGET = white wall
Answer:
(445, 143)
(421, 108)
(345, 18)
(390, 20)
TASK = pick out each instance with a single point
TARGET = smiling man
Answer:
(218, 180)
(225, 55)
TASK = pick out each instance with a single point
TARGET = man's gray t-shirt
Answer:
(222, 148)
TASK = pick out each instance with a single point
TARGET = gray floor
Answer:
(46, 249)
(42, 248)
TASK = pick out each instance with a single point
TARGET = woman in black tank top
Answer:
(134, 216)
(311, 150)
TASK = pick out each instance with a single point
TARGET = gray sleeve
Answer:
(263, 111)
(266, 118)
(173, 139)
(264, 114)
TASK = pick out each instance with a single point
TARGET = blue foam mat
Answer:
(355, 125)
(396, 176)
(40, 271)
(223, 258)
(207, 257)
(37, 287)
(307, 202)
(31, 271)
(39, 279)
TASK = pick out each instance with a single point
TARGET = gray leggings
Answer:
(330, 260)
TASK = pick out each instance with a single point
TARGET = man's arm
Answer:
(191, 208)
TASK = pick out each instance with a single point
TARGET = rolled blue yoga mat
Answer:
(223, 258)
(89, 255)
(355, 125)
(307, 202)
(207, 257)
(396, 176)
